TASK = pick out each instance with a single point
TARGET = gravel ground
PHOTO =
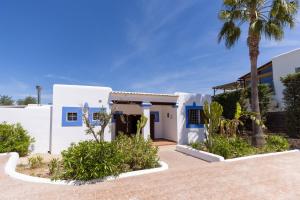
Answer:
(276, 177)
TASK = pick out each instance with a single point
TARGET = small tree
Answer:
(103, 119)
(260, 18)
(27, 100)
(292, 102)
(6, 100)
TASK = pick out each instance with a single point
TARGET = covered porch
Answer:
(160, 110)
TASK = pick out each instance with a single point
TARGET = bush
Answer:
(292, 103)
(228, 100)
(199, 146)
(231, 147)
(54, 166)
(95, 160)
(276, 143)
(35, 162)
(13, 138)
(136, 152)
(91, 160)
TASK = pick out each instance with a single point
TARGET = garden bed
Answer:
(210, 157)
(11, 165)
(223, 147)
(42, 170)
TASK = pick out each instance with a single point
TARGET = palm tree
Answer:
(263, 18)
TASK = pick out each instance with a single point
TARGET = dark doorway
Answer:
(152, 126)
(126, 124)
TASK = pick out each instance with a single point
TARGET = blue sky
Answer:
(136, 45)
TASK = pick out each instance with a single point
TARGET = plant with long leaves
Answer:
(230, 127)
(213, 113)
(264, 18)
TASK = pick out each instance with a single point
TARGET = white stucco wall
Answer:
(168, 117)
(283, 65)
(188, 135)
(75, 96)
(35, 119)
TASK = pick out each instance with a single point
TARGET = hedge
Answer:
(292, 103)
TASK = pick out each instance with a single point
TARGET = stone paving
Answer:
(275, 177)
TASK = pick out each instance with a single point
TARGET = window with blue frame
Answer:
(194, 116)
(71, 116)
(94, 115)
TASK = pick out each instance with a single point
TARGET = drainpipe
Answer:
(50, 130)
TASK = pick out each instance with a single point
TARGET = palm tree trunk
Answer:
(253, 43)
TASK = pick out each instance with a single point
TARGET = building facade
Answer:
(271, 73)
(177, 117)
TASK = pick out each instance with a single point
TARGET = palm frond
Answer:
(230, 33)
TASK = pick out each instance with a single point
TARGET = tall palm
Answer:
(263, 18)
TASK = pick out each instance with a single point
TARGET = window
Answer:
(72, 116)
(96, 116)
(297, 69)
(194, 116)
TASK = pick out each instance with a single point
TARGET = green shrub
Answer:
(231, 147)
(276, 143)
(54, 166)
(13, 138)
(136, 152)
(241, 147)
(228, 100)
(292, 103)
(35, 162)
(199, 146)
(91, 160)
(95, 160)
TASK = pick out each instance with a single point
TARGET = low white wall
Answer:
(35, 119)
(199, 154)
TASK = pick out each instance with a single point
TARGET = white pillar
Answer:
(146, 112)
(111, 126)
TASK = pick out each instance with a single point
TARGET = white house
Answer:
(270, 73)
(176, 117)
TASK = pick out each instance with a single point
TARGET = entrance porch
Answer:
(160, 110)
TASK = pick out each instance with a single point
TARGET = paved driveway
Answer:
(188, 178)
